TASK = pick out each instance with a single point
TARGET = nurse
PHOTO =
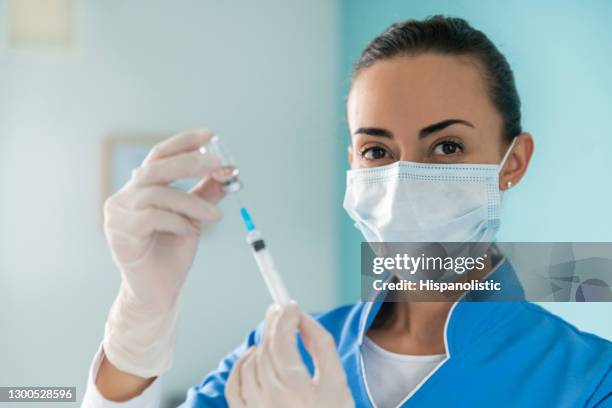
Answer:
(425, 95)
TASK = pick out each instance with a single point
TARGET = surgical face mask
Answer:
(419, 202)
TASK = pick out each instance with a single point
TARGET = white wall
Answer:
(260, 73)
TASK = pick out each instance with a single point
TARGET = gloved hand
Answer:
(153, 232)
(274, 375)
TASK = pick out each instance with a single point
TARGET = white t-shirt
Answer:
(390, 377)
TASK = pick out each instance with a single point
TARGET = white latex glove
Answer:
(153, 232)
(274, 375)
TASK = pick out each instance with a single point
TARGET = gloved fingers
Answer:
(143, 223)
(272, 315)
(181, 166)
(170, 199)
(180, 143)
(209, 189)
(282, 336)
(270, 380)
(322, 347)
(233, 388)
(249, 379)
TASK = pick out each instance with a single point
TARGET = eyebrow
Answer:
(436, 127)
(372, 131)
(426, 131)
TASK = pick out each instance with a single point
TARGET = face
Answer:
(429, 108)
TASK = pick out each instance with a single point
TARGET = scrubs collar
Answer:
(471, 316)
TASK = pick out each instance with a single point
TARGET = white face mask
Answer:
(419, 202)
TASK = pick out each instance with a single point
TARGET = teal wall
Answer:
(561, 53)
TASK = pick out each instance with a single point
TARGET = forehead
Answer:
(418, 90)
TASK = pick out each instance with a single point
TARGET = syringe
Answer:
(264, 261)
(228, 175)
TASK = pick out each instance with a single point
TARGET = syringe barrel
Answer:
(264, 261)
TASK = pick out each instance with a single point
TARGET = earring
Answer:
(508, 185)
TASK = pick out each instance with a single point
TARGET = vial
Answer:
(228, 173)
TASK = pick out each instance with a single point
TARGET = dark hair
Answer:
(452, 36)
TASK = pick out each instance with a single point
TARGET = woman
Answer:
(426, 95)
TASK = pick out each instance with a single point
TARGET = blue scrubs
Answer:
(510, 354)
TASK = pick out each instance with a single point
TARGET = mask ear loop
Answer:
(501, 164)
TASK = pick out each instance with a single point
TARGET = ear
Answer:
(517, 162)
(350, 155)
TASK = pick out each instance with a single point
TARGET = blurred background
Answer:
(79, 78)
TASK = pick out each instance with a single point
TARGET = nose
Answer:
(410, 152)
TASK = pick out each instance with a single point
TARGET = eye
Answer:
(374, 153)
(447, 148)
